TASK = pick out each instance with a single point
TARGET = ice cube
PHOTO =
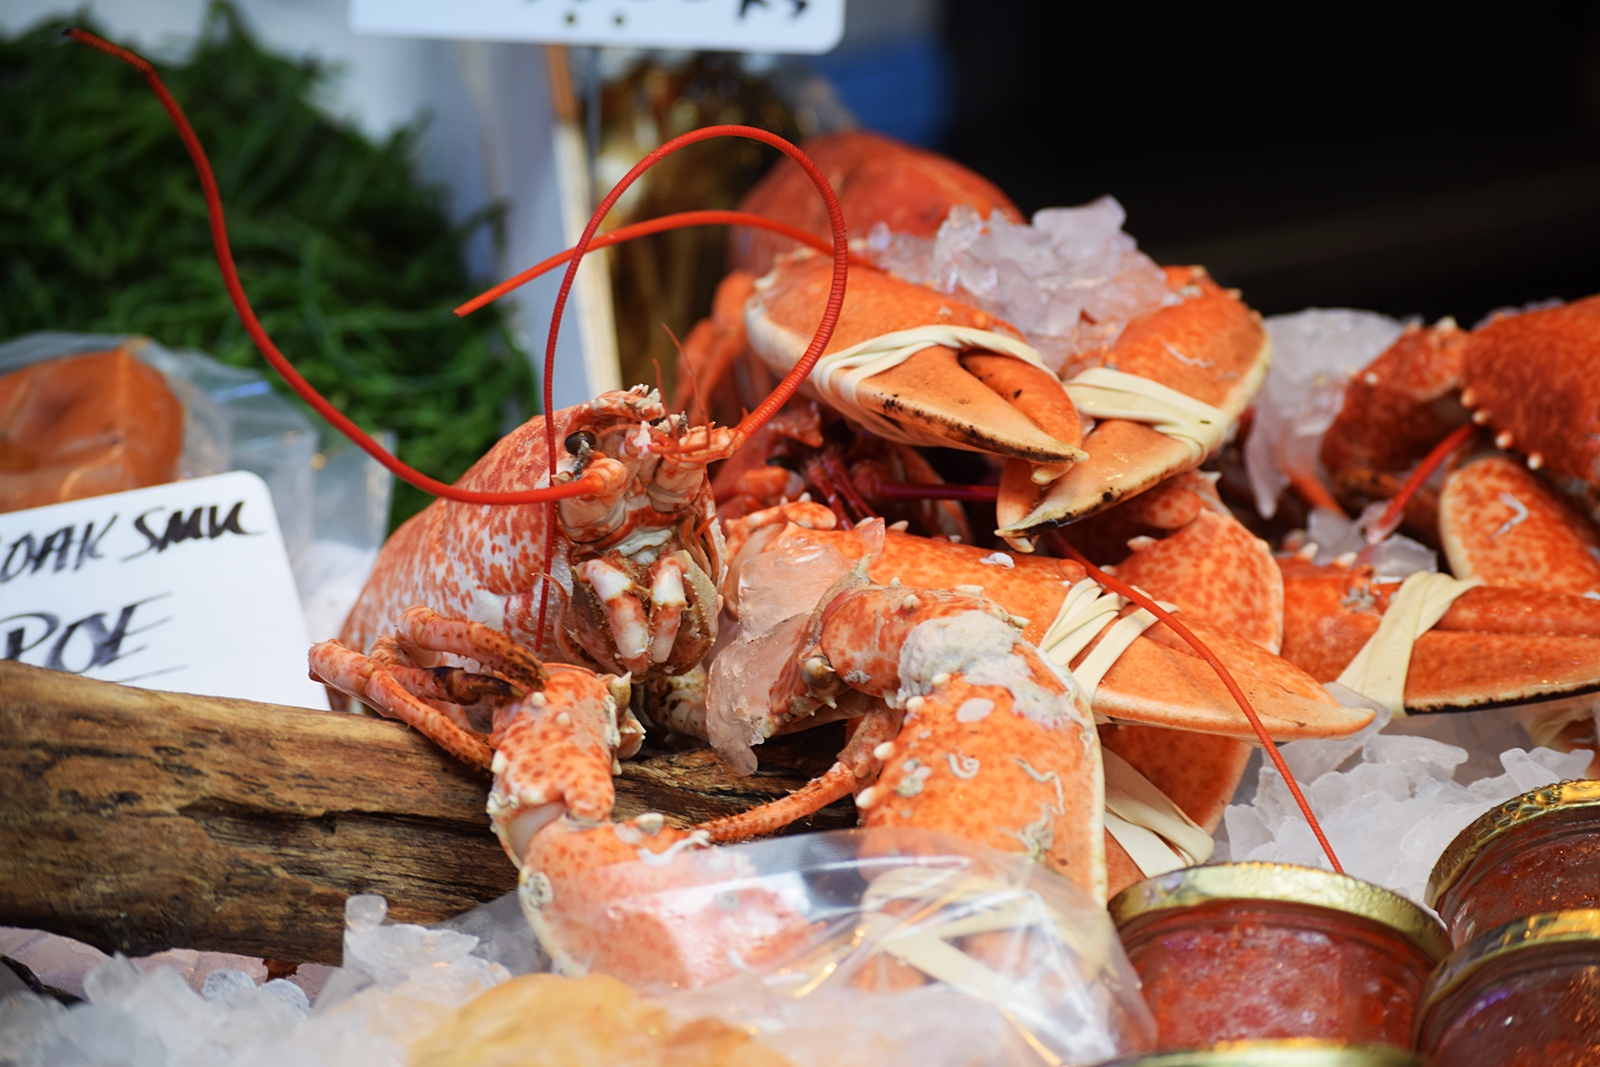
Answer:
(1246, 830)
(1397, 556)
(504, 936)
(365, 911)
(219, 984)
(1436, 756)
(1526, 772)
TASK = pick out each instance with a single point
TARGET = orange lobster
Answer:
(627, 516)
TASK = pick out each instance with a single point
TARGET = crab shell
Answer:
(877, 179)
(1535, 378)
(1501, 523)
(1531, 377)
(485, 564)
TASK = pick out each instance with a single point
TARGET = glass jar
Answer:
(1249, 951)
(1536, 853)
(1298, 1052)
(1524, 994)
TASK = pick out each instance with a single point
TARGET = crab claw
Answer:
(1210, 348)
(969, 397)
(1500, 523)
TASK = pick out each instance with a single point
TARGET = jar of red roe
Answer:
(1536, 853)
(1244, 951)
(1294, 1052)
(1526, 994)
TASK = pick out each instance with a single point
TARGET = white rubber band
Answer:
(1379, 669)
(1112, 394)
(837, 375)
(927, 945)
(1145, 821)
(1082, 615)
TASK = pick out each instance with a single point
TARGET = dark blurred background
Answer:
(1410, 158)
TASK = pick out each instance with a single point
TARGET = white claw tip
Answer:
(1346, 559)
(1535, 460)
(867, 797)
(884, 751)
(498, 764)
(1480, 417)
(941, 679)
(914, 705)
(1503, 439)
(910, 603)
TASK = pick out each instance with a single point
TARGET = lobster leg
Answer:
(857, 765)
(368, 680)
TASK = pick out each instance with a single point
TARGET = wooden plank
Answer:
(137, 820)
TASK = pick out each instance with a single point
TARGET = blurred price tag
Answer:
(810, 26)
(184, 587)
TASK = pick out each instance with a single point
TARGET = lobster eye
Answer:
(580, 443)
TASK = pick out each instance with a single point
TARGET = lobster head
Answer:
(646, 553)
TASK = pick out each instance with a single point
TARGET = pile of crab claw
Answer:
(999, 679)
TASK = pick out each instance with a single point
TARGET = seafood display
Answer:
(1006, 555)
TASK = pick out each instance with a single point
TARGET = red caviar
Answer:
(1260, 951)
(1536, 853)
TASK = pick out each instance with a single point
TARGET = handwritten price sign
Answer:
(184, 587)
(720, 25)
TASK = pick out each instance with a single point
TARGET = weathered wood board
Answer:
(138, 821)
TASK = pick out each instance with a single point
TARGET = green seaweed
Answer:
(350, 261)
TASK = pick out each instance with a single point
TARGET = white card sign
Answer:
(184, 587)
(810, 26)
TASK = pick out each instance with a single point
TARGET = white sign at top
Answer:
(810, 26)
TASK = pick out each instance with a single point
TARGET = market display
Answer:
(1053, 675)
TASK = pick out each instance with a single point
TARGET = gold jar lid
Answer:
(1293, 1052)
(1553, 928)
(1193, 886)
(1502, 819)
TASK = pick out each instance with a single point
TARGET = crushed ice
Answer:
(1314, 352)
(1338, 538)
(398, 983)
(1399, 800)
(1070, 281)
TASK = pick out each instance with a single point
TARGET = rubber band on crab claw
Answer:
(1133, 594)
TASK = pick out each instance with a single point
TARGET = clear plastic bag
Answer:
(912, 941)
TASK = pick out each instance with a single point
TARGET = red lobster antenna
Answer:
(1393, 515)
(342, 423)
(1117, 585)
(786, 388)
(552, 493)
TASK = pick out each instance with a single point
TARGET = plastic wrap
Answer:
(85, 425)
(880, 946)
